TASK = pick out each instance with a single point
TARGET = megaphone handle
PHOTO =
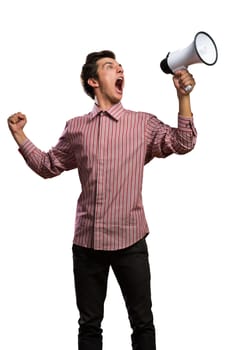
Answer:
(188, 88)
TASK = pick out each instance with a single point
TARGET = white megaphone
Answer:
(202, 50)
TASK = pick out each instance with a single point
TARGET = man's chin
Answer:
(118, 98)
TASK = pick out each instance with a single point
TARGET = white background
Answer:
(190, 214)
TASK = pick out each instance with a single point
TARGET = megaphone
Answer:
(202, 50)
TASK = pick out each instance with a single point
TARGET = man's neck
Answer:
(105, 105)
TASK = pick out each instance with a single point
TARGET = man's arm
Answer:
(45, 164)
(163, 140)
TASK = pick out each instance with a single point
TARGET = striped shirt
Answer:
(109, 149)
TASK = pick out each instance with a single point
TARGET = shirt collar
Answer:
(115, 111)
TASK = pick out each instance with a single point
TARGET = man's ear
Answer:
(93, 82)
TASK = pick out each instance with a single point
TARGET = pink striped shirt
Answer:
(110, 149)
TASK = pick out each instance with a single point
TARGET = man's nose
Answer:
(120, 69)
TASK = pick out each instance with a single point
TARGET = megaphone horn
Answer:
(202, 50)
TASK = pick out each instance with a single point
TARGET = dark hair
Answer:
(89, 69)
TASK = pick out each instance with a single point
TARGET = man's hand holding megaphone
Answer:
(183, 81)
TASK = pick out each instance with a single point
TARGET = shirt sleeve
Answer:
(49, 164)
(163, 140)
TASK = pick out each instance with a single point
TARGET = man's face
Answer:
(110, 81)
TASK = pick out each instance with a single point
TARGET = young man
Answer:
(110, 146)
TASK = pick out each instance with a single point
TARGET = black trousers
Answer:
(131, 268)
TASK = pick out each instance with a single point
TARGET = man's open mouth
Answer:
(119, 84)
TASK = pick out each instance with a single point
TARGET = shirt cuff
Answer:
(185, 123)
